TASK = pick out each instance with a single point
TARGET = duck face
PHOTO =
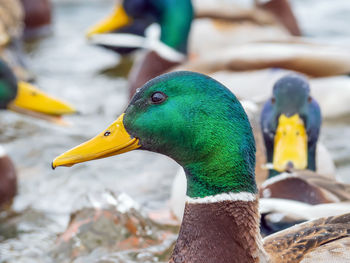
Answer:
(191, 118)
(290, 122)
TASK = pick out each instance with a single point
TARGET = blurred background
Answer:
(66, 65)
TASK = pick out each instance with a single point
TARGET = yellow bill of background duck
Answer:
(31, 98)
(112, 141)
(34, 102)
(290, 147)
(118, 19)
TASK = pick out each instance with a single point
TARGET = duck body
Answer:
(201, 125)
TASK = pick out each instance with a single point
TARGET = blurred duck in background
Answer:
(218, 45)
(290, 122)
(169, 47)
(26, 99)
(217, 152)
(37, 18)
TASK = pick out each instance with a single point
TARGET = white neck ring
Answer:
(242, 196)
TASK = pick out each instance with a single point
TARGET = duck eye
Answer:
(158, 97)
(273, 100)
(309, 99)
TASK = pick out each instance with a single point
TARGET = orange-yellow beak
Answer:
(290, 145)
(112, 141)
(118, 19)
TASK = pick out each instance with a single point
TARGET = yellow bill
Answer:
(290, 146)
(112, 141)
(118, 19)
(34, 102)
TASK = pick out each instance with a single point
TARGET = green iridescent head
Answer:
(191, 118)
(201, 125)
(8, 85)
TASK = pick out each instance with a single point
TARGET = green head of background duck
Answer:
(200, 124)
(174, 18)
(26, 99)
(134, 16)
(290, 123)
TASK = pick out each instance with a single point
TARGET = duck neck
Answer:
(223, 226)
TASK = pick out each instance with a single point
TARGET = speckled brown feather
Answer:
(334, 252)
(223, 232)
(294, 244)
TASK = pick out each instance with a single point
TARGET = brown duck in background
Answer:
(37, 18)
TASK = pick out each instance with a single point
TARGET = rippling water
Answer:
(68, 67)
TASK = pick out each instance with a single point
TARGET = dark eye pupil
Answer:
(158, 97)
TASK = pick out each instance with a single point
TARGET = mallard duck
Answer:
(23, 98)
(290, 123)
(200, 124)
(37, 18)
(172, 44)
(170, 47)
(223, 20)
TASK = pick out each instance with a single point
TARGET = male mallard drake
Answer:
(174, 43)
(37, 18)
(175, 19)
(200, 124)
(290, 123)
(225, 21)
(26, 99)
